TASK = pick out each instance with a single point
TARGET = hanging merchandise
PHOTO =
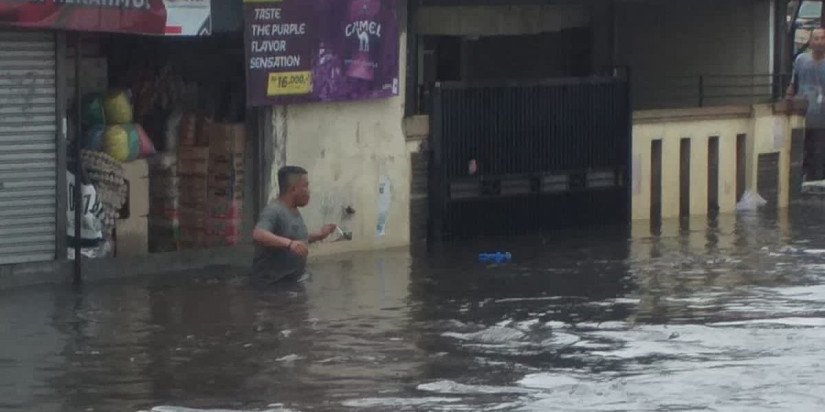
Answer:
(90, 225)
(118, 108)
(94, 137)
(145, 146)
(91, 236)
(93, 113)
(106, 174)
(120, 144)
(173, 131)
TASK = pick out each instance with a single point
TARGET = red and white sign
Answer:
(188, 17)
(159, 17)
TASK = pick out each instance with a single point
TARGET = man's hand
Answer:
(299, 248)
(328, 229)
(323, 233)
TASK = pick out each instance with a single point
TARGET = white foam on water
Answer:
(791, 322)
(448, 387)
(722, 366)
(812, 292)
(763, 385)
(815, 251)
(494, 334)
(547, 381)
(533, 299)
(290, 358)
(554, 324)
(398, 402)
(183, 409)
(526, 325)
(561, 339)
(609, 325)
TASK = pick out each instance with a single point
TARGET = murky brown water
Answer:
(726, 316)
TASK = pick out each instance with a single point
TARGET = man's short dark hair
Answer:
(287, 175)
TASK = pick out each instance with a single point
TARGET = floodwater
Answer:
(727, 315)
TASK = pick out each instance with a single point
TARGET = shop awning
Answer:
(155, 17)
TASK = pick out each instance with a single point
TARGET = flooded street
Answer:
(724, 316)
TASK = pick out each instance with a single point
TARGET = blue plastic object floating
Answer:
(498, 257)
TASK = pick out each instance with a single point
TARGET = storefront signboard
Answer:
(159, 17)
(302, 51)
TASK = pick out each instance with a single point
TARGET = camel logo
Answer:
(363, 29)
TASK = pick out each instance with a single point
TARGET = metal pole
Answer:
(78, 169)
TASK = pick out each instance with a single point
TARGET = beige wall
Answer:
(348, 148)
(766, 132)
(667, 44)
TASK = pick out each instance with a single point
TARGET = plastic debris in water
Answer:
(498, 257)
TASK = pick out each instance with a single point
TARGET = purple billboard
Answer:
(302, 51)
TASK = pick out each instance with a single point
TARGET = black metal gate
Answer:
(518, 158)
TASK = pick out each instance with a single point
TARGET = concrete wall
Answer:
(767, 130)
(348, 149)
(667, 44)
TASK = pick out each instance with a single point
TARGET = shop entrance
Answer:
(165, 146)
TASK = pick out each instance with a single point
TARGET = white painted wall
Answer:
(348, 148)
(667, 44)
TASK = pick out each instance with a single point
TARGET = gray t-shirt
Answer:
(810, 75)
(276, 264)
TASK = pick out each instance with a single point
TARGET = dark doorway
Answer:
(656, 181)
(767, 179)
(713, 175)
(684, 177)
(741, 156)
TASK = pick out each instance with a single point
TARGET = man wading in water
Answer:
(281, 238)
(809, 75)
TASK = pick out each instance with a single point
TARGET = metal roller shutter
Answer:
(28, 175)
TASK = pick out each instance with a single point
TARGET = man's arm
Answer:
(791, 92)
(264, 235)
(266, 238)
(322, 234)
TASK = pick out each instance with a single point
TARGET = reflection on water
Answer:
(723, 315)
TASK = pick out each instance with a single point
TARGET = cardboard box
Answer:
(194, 191)
(226, 138)
(193, 161)
(222, 241)
(187, 130)
(223, 227)
(136, 174)
(132, 236)
(223, 163)
(224, 208)
(191, 218)
(229, 193)
(226, 181)
(192, 238)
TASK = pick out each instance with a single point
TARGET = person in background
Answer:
(809, 83)
(281, 237)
